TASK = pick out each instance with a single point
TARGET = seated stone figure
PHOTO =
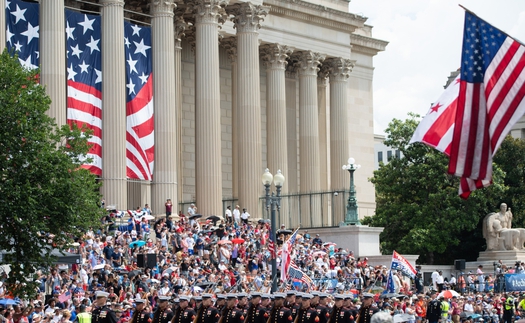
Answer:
(498, 233)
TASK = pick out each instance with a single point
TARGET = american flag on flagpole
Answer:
(84, 81)
(286, 255)
(271, 244)
(473, 116)
(22, 31)
(296, 273)
(139, 102)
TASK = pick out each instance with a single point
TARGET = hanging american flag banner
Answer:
(286, 255)
(139, 102)
(22, 31)
(84, 81)
(271, 244)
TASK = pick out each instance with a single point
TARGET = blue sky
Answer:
(424, 47)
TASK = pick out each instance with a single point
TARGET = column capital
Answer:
(324, 72)
(275, 55)
(308, 62)
(230, 44)
(209, 11)
(339, 68)
(110, 3)
(162, 8)
(178, 30)
(247, 17)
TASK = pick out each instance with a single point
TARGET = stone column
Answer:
(340, 69)
(208, 170)
(52, 56)
(163, 49)
(274, 57)
(230, 44)
(114, 188)
(308, 66)
(179, 28)
(247, 18)
(323, 134)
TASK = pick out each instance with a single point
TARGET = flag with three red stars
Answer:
(84, 80)
(22, 31)
(139, 102)
(482, 106)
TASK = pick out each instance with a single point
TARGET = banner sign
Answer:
(515, 282)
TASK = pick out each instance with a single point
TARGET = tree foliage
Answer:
(418, 202)
(47, 198)
(511, 159)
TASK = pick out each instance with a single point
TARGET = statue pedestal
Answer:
(505, 255)
(361, 239)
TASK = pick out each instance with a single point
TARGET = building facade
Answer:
(238, 87)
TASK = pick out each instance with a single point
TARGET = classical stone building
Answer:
(238, 87)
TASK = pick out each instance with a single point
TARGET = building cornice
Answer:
(315, 14)
(367, 45)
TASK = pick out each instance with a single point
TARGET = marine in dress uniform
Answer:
(340, 314)
(279, 313)
(188, 315)
(221, 302)
(290, 299)
(163, 314)
(102, 312)
(322, 309)
(140, 315)
(232, 314)
(263, 311)
(365, 314)
(183, 303)
(308, 314)
(243, 303)
(298, 305)
(250, 315)
(210, 314)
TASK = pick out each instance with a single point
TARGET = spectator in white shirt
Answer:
(237, 215)
(244, 216)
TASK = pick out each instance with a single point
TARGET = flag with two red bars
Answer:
(471, 119)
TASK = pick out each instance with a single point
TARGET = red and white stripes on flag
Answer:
(286, 255)
(489, 102)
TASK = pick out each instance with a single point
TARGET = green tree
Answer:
(511, 159)
(418, 202)
(47, 198)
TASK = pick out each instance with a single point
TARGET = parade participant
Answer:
(221, 302)
(298, 304)
(252, 311)
(198, 303)
(322, 308)
(188, 315)
(280, 313)
(163, 314)
(364, 314)
(263, 311)
(231, 313)
(210, 314)
(242, 303)
(290, 299)
(140, 315)
(102, 313)
(433, 309)
(183, 304)
(337, 309)
(309, 313)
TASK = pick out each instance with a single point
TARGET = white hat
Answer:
(101, 294)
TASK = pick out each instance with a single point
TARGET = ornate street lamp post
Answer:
(351, 216)
(273, 202)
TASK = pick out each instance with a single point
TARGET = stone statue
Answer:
(498, 231)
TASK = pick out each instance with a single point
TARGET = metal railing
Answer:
(309, 210)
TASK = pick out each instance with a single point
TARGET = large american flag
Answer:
(139, 102)
(22, 31)
(294, 272)
(490, 100)
(271, 244)
(477, 110)
(84, 80)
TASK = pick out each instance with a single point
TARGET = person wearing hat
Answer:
(228, 215)
(433, 309)
(364, 314)
(337, 310)
(237, 215)
(102, 313)
(254, 307)
(183, 303)
(263, 312)
(140, 315)
(508, 309)
(221, 302)
(279, 313)
(163, 314)
(308, 313)
(82, 316)
(322, 308)
(188, 314)
(210, 314)
(231, 313)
